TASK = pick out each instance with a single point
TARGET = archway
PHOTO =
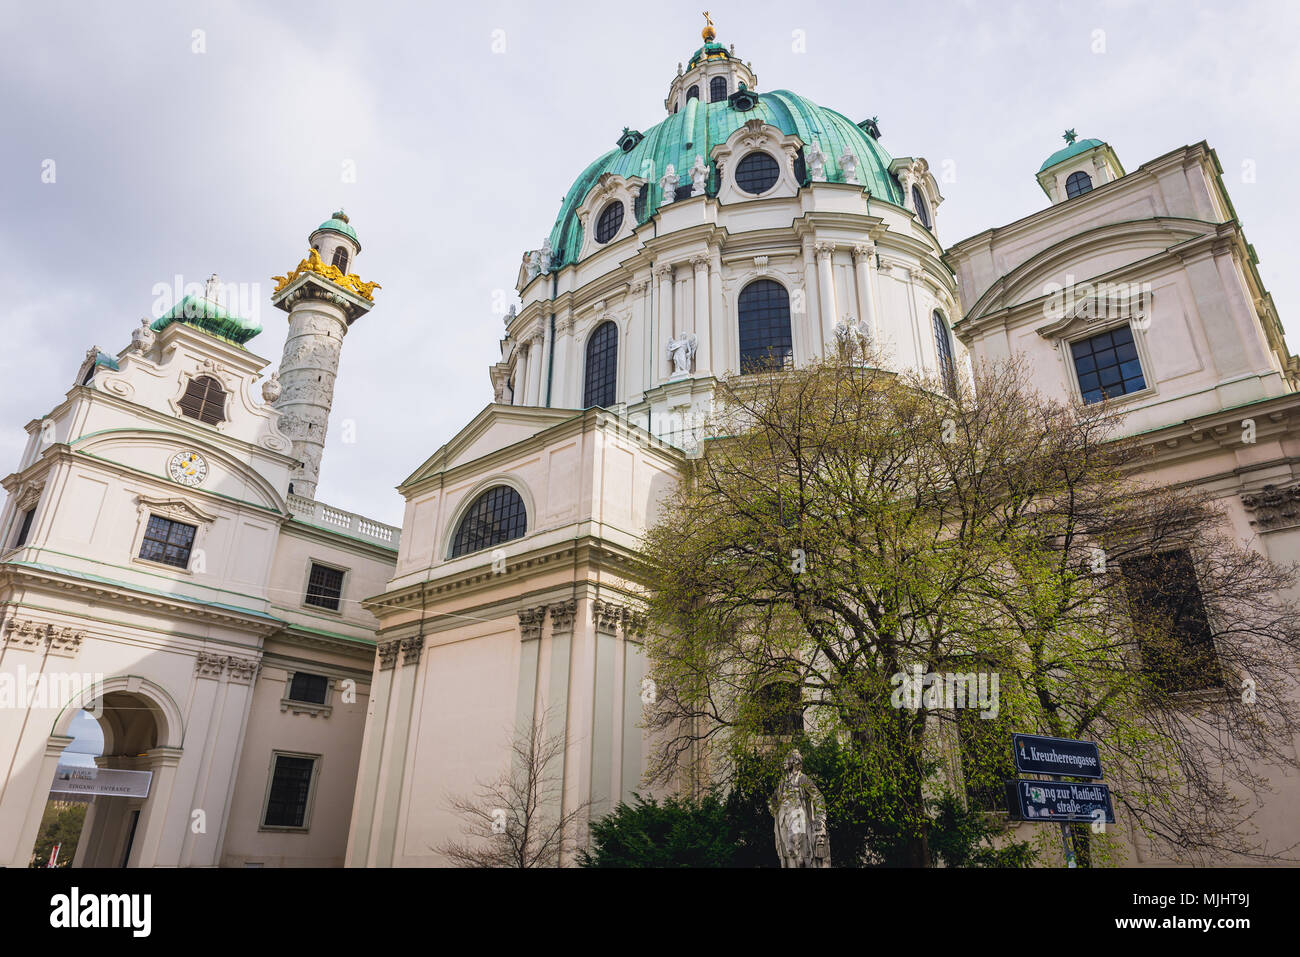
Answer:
(140, 725)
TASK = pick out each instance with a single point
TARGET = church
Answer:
(162, 529)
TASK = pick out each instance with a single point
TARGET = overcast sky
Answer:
(466, 124)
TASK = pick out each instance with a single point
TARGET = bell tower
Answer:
(322, 299)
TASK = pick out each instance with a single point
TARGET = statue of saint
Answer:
(682, 351)
(799, 813)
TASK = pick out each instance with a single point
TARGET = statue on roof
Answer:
(668, 183)
(699, 176)
(142, 339)
(816, 162)
(849, 166)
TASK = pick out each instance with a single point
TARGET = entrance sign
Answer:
(1063, 757)
(1060, 802)
(72, 779)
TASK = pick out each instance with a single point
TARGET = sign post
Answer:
(1058, 801)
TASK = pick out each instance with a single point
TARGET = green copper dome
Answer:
(713, 123)
(339, 223)
(211, 317)
(1074, 149)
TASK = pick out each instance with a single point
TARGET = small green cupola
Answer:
(1079, 167)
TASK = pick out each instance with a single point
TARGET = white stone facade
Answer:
(189, 661)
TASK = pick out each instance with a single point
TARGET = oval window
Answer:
(757, 173)
(609, 222)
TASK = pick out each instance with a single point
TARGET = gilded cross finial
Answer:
(1070, 136)
(708, 32)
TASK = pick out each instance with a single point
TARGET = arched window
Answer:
(693, 93)
(757, 172)
(943, 344)
(341, 259)
(765, 341)
(717, 89)
(600, 376)
(1077, 184)
(205, 400)
(922, 210)
(609, 222)
(495, 517)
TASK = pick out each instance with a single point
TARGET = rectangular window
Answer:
(1107, 365)
(286, 805)
(1168, 614)
(324, 587)
(986, 761)
(24, 527)
(167, 541)
(309, 688)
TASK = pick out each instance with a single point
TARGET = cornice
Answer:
(589, 553)
(124, 594)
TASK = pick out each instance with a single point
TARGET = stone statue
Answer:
(799, 814)
(534, 260)
(211, 287)
(545, 255)
(668, 183)
(699, 176)
(142, 339)
(510, 316)
(849, 165)
(271, 388)
(682, 351)
(816, 162)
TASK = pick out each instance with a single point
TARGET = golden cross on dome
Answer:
(708, 32)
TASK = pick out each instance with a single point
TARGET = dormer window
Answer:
(717, 89)
(757, 173)
(205, 400)
(1077, 184)
(693, 93)
(922, 209)
(341, 259)
(609, 222)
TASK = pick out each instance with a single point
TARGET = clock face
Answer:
(188, 468)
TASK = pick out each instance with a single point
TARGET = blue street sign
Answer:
(1063, 757)
(1060, 802)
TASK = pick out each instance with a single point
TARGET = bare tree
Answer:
(516, 820)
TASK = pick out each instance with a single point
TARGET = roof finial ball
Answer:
(708, 32)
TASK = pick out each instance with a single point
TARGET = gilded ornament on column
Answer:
(313, 264)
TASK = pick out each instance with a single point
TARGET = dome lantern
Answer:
(712, 74)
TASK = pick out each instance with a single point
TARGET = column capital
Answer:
(606, 615)
(411, 649)
(865, 250)
(530, 622)
(387, 651)
(664, 272)
(824, 248)
(563, 614)
(700, 261)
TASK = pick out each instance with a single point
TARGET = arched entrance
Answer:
(141, 732)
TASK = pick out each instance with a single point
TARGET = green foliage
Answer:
(678, 833)
(862, 818)
(59, 825)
